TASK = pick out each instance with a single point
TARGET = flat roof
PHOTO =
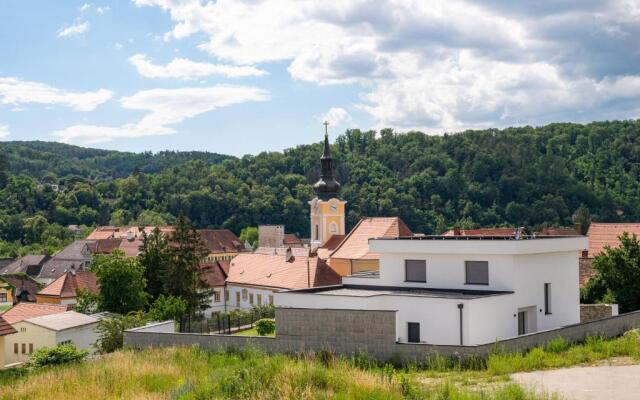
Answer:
(371, 291)
(62, 321)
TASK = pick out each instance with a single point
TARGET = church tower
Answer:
(327, 210)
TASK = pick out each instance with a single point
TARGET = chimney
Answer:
(585, 253)
(578, 227)
(288, 256)
(457, 231)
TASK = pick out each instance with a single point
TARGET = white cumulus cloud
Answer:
(438, 65)
(336, 116)
(182, 68)
(163, 108)
(15, 92)
(73, 30)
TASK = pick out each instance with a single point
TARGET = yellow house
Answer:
(7, 291)
(5, 330)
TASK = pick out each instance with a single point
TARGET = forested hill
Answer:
(46, 159)
(555, 174)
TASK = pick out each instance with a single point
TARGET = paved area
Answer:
(586, 383)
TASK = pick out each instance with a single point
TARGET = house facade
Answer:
(64, 290)
(461, 290)
(49, 331)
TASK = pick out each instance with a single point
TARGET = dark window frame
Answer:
(547, 298)
(409, 335)
(466, 273)
(406, 278)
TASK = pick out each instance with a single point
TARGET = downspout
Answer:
(460, 307)
(308, 274)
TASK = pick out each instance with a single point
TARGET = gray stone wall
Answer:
(593, 312)
(347, 332)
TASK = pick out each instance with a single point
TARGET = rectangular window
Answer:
(244, 294)
(547, 298)
(238, 298)
(476, 272)
(259, 299)
(251, 298)
(522, 322)
(30, 348)
(413, 329)
(3, 297)
(226, 295)
(415, 270)
(216, 296)
(15, 348)
(271, 299)
(24, 348)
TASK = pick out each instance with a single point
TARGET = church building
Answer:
(327, 209)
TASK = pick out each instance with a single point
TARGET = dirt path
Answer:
(586, 383)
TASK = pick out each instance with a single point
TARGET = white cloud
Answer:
(4, 132)
(336, 116)
(183, 68)
(15, 92)
(102, 10)
(73, 30)
(85, 7)
(164, 108)
(438, 65)
(118, 46)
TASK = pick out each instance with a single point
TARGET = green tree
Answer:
(249, 235)
(183, 276)
(168, 307)
(618, 275)
(122, 282)
(154, 257)
(111, 330)
(4, 171)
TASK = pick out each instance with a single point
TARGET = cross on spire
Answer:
(326, 127)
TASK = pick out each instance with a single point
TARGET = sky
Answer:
(244, 76)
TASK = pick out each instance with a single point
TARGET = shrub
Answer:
(61, 354)
(168, 307)
(265, 326)
(111, 330)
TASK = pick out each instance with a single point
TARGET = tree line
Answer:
(556, 174)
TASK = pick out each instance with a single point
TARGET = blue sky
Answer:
(243, 76)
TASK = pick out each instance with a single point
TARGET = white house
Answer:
(462, 290)
(49, 331)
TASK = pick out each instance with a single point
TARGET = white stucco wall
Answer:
(244, 303)
(83, 337)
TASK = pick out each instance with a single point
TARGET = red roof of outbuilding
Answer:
(356, 245)
(22, 311)
(606, 234)
(69, 283)
(6, 328)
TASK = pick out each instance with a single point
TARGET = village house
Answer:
(602, 235)
(16, 288)
(64, 290)
(5, 330)
(467, 290)
(68, 327)
(30, 265)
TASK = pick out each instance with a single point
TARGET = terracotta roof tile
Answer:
(276, 272)
(22, 311)
(291, 238)
(330, 245)
(606, 234)
(221, 241)
(356, 245)
(6, 328)
(105, 246)
(67, 285)
(214, 274)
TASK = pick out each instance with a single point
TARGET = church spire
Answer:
(327, 187)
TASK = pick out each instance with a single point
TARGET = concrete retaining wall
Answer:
(347, 332)
(593, 312)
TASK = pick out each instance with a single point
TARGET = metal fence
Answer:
(225, 323)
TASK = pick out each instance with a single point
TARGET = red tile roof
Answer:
(356, 245)
(214, 273)
(606, 234)
(130, 248)
(67, 285)
(221, 241)
(275, 271)
(559, 231)
(22, 311)
(291, 238)
(330, 245)
(6, 328)
(105, 246)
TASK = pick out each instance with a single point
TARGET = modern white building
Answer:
(462, 290)
(50, 331)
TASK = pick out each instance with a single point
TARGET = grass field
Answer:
(190, 373)
(250, 332)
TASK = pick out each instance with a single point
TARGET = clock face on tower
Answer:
(334, 207)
